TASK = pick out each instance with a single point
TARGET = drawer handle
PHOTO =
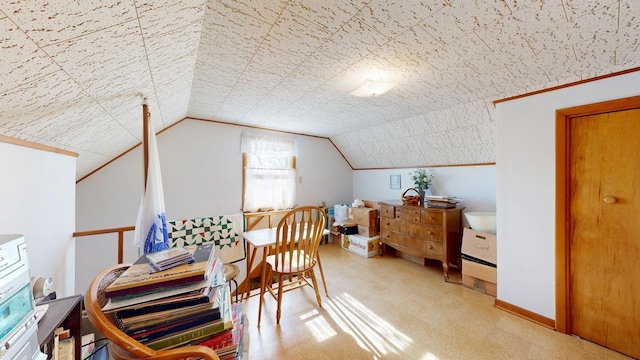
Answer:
(430, 232)
(430, 247)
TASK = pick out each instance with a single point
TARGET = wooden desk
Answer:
(65, 312)
(264, 239)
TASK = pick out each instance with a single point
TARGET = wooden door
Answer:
(604, 248)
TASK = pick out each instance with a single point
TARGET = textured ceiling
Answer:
(72, 71)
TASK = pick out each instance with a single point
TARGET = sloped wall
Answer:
(464, 134)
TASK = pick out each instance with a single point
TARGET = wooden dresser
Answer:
(429, 233)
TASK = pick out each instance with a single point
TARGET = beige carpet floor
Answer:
(392, 308)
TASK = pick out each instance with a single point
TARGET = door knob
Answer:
(609, 199)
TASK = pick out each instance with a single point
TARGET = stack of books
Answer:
(228, 343)
(187, 303)
(442, 202)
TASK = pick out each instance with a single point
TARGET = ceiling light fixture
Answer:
(372, 88)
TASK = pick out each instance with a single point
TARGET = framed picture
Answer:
(394, 181)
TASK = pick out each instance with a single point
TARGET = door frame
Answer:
(563, 205)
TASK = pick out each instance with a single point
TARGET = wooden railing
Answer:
(120, 232)
(252, 220)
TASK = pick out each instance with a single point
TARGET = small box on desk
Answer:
(360, 245)
(479, 277)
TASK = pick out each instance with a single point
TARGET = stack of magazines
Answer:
(442, 202)
(166, 259)
(189, 303)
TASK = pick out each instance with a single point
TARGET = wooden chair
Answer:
(298, 236)
(121, 345)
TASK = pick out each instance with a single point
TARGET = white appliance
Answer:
(18, 315)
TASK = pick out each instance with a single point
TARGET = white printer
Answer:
(18, 315)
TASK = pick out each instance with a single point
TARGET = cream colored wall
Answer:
(476, 185)
(201, 166)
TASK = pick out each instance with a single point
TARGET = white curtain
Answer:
(270, 179)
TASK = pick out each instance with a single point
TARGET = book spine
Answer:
(153, 334)
(186, 336)
(141, 326)
(152, 286)
(201, 332)
(216, 340)
(160, 307)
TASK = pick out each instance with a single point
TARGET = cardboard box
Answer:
(482, 286)
(370, 204)
(479, 245)
(368, 231)
(479, 277)
(363, 246)
(479, 271)
(364, 216)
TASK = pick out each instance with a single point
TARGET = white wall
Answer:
(37, 200)
(525, 201)
(476, 185)
(201, 168)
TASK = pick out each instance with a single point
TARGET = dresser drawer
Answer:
(434, 249)
(431, 217)
(387, 211)
(412, 229)
(407, 214)
(389, 224)
(385, 235)
(429, 232)
(417, 246)
(403, 240)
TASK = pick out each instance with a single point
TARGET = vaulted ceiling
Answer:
(72, 72)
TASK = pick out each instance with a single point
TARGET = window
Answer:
(269, 167)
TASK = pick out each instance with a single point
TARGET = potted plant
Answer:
(422, 181)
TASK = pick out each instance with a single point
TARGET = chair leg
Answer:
(280, 284)
(324, 283)
(236, 284)
(262, 287)
(315, 286)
